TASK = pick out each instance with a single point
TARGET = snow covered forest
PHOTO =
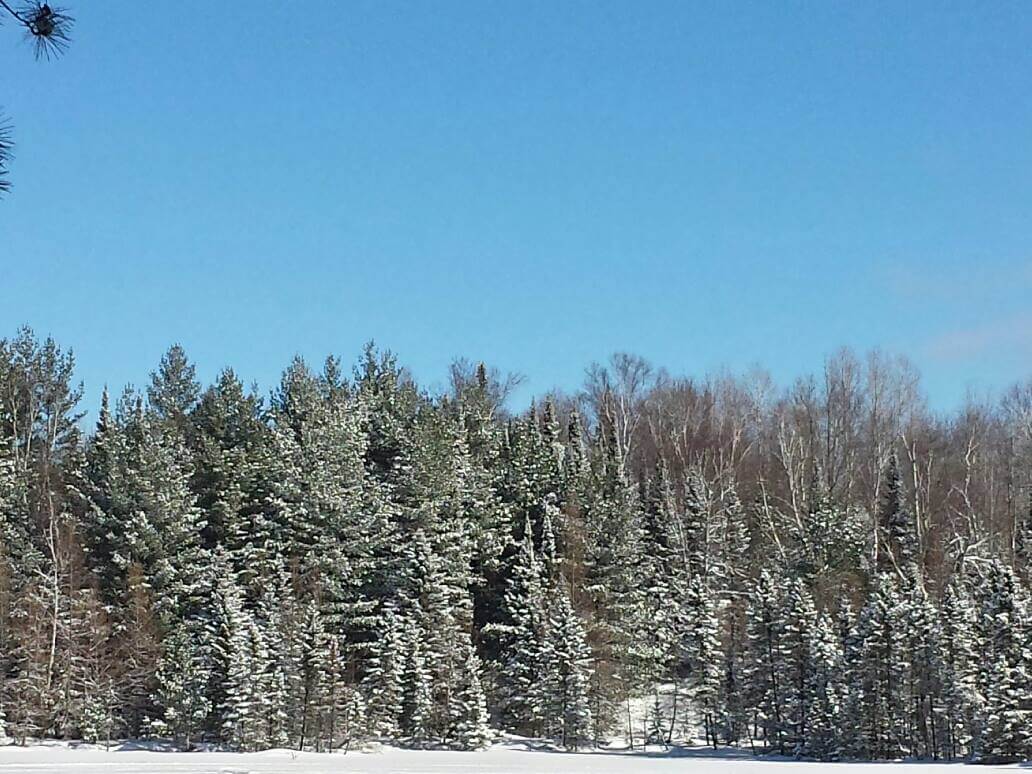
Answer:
(827, 569)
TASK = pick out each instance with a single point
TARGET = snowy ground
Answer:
(511, 759)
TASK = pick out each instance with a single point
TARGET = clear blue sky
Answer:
(535, 184)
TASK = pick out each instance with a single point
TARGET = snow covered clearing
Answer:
(501, 759)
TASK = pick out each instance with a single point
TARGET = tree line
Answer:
(829, 570)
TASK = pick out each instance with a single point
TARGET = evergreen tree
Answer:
(567, 677)
(763, 672)
(793, 657)
(519, 670)
(881, 672)
(467, 708)
(663, 585)
(958, 671)
(313, 661)
(184, 671)
(696, 531)
(385, 675)
(1005, 675)
(243, 651)
(417, 708)
(361, 557)
(699, 654)
(822, 737)
(1023, 542)
(897, 536)
(273, 619)
(920, 628)
(173, 391)
(612, 553)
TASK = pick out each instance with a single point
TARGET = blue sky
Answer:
(535, 184)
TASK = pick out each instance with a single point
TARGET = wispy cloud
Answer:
(1008, 335)
(983, 282)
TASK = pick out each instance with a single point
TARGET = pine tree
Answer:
(567, 678)
(362, 557)
(919, 621)
(958, 671)
(417, 708)
(173, 391)
(276, 676)
(763, 672)
(182, 678)
(735, 539)
(881, 672)
(663, 583)
(1005, 676)
(793, 659)
(338, 700)
(1023, 541)
(244, 657)
(897, 536)
(467, 708)
(384, 681)
(313, 659)
(696, 531)
(699, 654)
(822, 737)
(519, 670)
(138, 650)
(826, 544)
(852, 724)
(89, 702)
(228, 436)
(612, 553)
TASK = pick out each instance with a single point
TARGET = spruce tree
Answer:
(881, 672)
(467, 706)
(519, 669)
(763, 671)
(897, 536)
(313, 661)
(181, 693)
(385, 675)
(699, 655)
(1023, 542)
(822, 737)
(1005, 675)
(697, 528)
(612, 553)
(417, 707)
(173, 391)
(958, 670)
(567, 677)
(797, 624)
(243, 650)
(921, 654)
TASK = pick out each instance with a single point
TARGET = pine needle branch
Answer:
(48, 27)
(6, 147)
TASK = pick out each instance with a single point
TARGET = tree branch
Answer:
(47, 26)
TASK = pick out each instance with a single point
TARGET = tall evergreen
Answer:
(798, 621)
(567, 674)
(763, 671)
(897, 536)
(958, 670)
(881, 672)
(358, 557)
(520, 666)
(822, 737)
(1005, 673)
(612, 551)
